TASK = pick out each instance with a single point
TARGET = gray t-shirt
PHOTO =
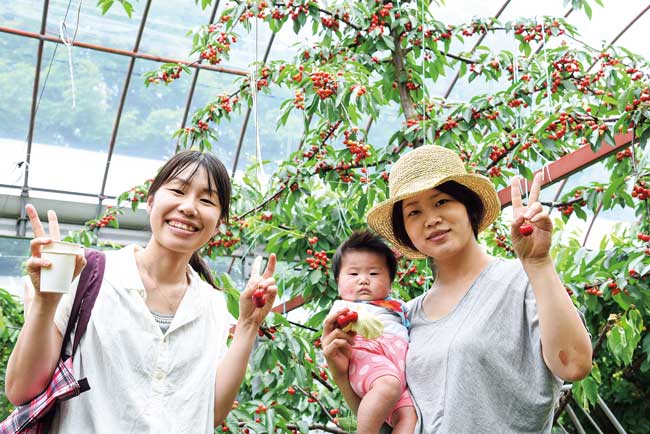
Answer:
(480, 368)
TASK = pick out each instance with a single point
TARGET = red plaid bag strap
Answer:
(90, 282)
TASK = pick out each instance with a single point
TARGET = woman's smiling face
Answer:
(184, 214)
(437, 223)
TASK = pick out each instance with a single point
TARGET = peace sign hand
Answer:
(35, 262)
(256, 300)
(531, 229)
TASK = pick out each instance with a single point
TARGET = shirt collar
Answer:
(123, 273)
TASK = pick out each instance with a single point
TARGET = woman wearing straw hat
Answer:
(492, 340)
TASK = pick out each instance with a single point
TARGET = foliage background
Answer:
(368, 58)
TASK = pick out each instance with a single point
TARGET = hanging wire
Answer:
(63, 35)
(25, 162)
(548, 79)
(253, 83)
(546, 172)
(515, 75)
(424, 107)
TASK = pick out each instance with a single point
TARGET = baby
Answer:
(364, 268)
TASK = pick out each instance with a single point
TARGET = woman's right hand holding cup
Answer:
(35, 263)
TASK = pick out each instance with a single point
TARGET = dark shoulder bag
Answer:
(35, 416)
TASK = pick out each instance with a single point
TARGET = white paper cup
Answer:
(62, 255)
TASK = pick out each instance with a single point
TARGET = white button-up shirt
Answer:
(144, 381)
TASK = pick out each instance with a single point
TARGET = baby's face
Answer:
(363, 276)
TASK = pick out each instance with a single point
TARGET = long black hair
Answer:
(218, 183)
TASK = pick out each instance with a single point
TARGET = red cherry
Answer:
(526, 229)
(352, 316)
(342, 320)
(291, 391)
(259, 298)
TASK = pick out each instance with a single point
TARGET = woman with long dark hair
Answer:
(155, 350)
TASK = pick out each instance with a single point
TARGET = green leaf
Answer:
(300, 373)
(587, 8)
(348, 423)
(315, 276)
(616, 342)
(646, 344)
(389, 42)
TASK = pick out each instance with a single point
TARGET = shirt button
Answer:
(159, 375)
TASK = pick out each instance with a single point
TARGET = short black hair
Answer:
(365, 241)
(472, 202)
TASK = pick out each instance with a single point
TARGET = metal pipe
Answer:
(21, 224)
(562, 428)
(610, 416)
(123, 52)
(195, 79)
(574, 419)
(591, 420)
(51, 190)
(591, 223)
(242, 133)
(120, 106)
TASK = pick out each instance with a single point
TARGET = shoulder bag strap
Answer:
(90, 282)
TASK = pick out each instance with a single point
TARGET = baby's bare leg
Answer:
(404, 420)
(377, 403)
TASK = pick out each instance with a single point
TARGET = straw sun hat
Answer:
(424, 169)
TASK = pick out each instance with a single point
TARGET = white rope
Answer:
(63, 35)
(68, 43)
(548, 79)
(515, 76)
(258, 148)
(523, 181)
(424, 107)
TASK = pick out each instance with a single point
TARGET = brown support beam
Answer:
(290, 305)
(127, 53)
(572, 163)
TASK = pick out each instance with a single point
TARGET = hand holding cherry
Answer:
(256, 301)
(259, 295)
(345, 317)
(259, 298)
(531, 228)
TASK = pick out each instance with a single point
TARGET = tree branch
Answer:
(321, 381)
(398, 63)
(560, 204)
(322, 406)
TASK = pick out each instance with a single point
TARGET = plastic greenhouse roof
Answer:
(81, 152)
